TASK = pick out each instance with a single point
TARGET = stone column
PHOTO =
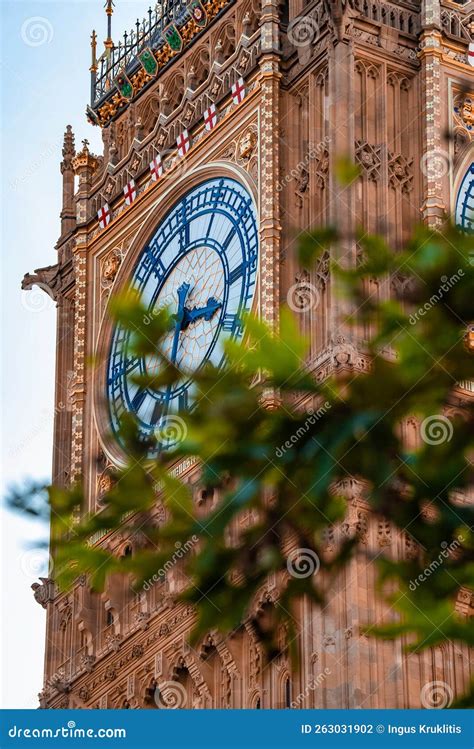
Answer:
(341, 146)
(84, 165)
(435, 159)
(68, 216)
(62, 411)
(270, 229)
(78, 383)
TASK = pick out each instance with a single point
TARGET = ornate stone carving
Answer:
(48, 279)
(111, 672)
(321, 168)
(457, 25)
(43, 592)
(366, 68)
(389, 14)
(111, 265)
(400, 172)
(246, 151)
(401, 285)
(104, 484)
(85, 160)
(86, 662)
(411, 547)
(463, 118)
(329, 538)
(113, 640)
(247, 144)
(341, 14)
(384, 533)
(303, 295)
(65, 617)
(361, 526)
(302, 182)
(329, 641)
(395, 78)
(84, 693)
(369, 158)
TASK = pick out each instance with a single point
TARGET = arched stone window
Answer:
(464, 211)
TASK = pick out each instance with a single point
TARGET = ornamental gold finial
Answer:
(109, 9)
(93, 67)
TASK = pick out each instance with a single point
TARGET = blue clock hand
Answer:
(182, 294)
(207, 312)
(179, 317)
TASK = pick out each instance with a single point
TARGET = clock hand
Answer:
(207, 312)
(179, 316)
(182, 294)
(183, 318)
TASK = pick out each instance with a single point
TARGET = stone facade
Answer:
(382, 83)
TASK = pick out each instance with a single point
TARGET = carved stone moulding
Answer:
(462, 119)
(368, 156)
(103, 113)
(187, 115)
(43, 592)
(400, 172)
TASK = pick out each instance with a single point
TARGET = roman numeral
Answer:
(228, 239)
(229, 323)
(157, 411)
(159, 269)
(236, 273)
(120, 371)
(138, 399)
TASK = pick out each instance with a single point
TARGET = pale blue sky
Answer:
(45, 58)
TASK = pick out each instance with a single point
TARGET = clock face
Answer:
(465, 203)
(201, 264)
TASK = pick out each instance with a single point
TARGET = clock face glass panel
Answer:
(465, 203)
(201, 264)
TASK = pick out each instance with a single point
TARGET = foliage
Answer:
(245, 415)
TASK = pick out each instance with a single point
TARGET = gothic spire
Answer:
(69, 149)
(109, 9)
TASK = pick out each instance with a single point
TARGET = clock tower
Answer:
(222, 122)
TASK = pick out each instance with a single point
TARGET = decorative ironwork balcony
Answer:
(147, 33)
(161, 27)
